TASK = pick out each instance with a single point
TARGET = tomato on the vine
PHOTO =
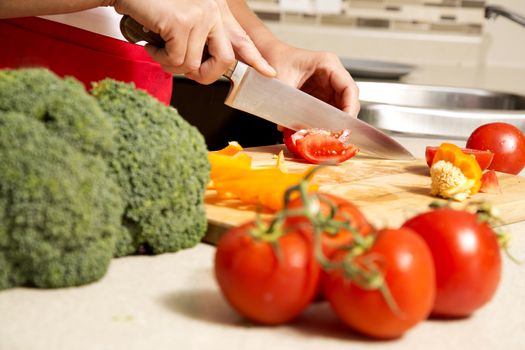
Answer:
(506, 141)
(345, 211)
(319, 145)
(267, 281)
(406, 263)
(466, 256)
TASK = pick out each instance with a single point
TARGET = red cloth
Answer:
(89, 57)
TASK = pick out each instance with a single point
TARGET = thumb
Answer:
(246, 51)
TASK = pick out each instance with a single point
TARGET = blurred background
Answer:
(439, 42)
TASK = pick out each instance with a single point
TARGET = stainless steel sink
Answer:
(436, 110)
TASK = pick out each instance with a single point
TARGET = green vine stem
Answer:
(487, 213)
(357, 265)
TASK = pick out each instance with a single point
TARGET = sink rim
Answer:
(367, 88)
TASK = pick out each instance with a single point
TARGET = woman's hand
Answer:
(319, 74)
(242, 44)
(186, 26)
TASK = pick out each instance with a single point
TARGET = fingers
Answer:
(221, 52)
(247, 52)
(346, 91)
(186, 29)
(242, 44)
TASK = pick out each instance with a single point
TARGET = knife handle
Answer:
(134, 32)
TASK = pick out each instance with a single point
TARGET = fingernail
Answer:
(270, 69)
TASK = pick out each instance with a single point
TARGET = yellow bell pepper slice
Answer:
(233, 177)
(232, 149)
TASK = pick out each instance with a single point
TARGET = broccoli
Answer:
(58, 209)
(63, 105)
(84, 178)
(162, 167)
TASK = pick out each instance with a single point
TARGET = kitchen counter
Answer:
(491, 78)
(171, 301)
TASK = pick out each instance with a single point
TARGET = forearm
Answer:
(24, 8)
(256, 29)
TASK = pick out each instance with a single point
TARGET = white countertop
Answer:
(492, 78)
(171, 301)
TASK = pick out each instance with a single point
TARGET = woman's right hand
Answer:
(186, 26)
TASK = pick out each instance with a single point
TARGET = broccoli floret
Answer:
(162, 167)
(59, 211)
(62, 104)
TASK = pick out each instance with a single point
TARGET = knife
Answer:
(284, 105)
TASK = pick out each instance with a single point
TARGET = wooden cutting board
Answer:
(387, 191)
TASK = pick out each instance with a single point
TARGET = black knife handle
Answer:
(134, 32)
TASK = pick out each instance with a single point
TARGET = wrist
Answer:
(267, 43)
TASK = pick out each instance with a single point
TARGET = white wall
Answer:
(501, 45)
(504, 39)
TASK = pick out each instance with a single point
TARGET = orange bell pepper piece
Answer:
(466, 163)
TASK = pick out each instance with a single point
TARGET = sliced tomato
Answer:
(287, 140)
(490, 183)
(320, 146)
(484, 158)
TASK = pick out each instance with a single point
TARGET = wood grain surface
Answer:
(387, 191)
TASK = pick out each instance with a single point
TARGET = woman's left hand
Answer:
(320, 74)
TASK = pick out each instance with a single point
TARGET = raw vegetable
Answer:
(507, 143)
(454, 174)
(267, 276)
(59, 207)
(466, 257)
(490, 183)
(232, 149)
(320, 146)
(336, 213)
(84, 179)
(395, 293)
(484, 158)
(161, 165)
(234, 178)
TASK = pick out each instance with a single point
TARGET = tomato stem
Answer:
(363, 270)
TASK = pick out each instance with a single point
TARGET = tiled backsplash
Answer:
(463, 17)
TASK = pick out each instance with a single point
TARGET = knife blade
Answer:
(271, 99)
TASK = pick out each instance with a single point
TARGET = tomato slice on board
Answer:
(490, 183)
(287, 140)
(320, 146)
(484, 158)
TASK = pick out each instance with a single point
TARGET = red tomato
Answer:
(409, 274)
(346, 211)
(287, 139)
(466, 256)
(484, 158)
(490, 183)
(262, 286)
(506, 142)
(320, 146)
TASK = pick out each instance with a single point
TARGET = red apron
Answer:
(66, 50)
